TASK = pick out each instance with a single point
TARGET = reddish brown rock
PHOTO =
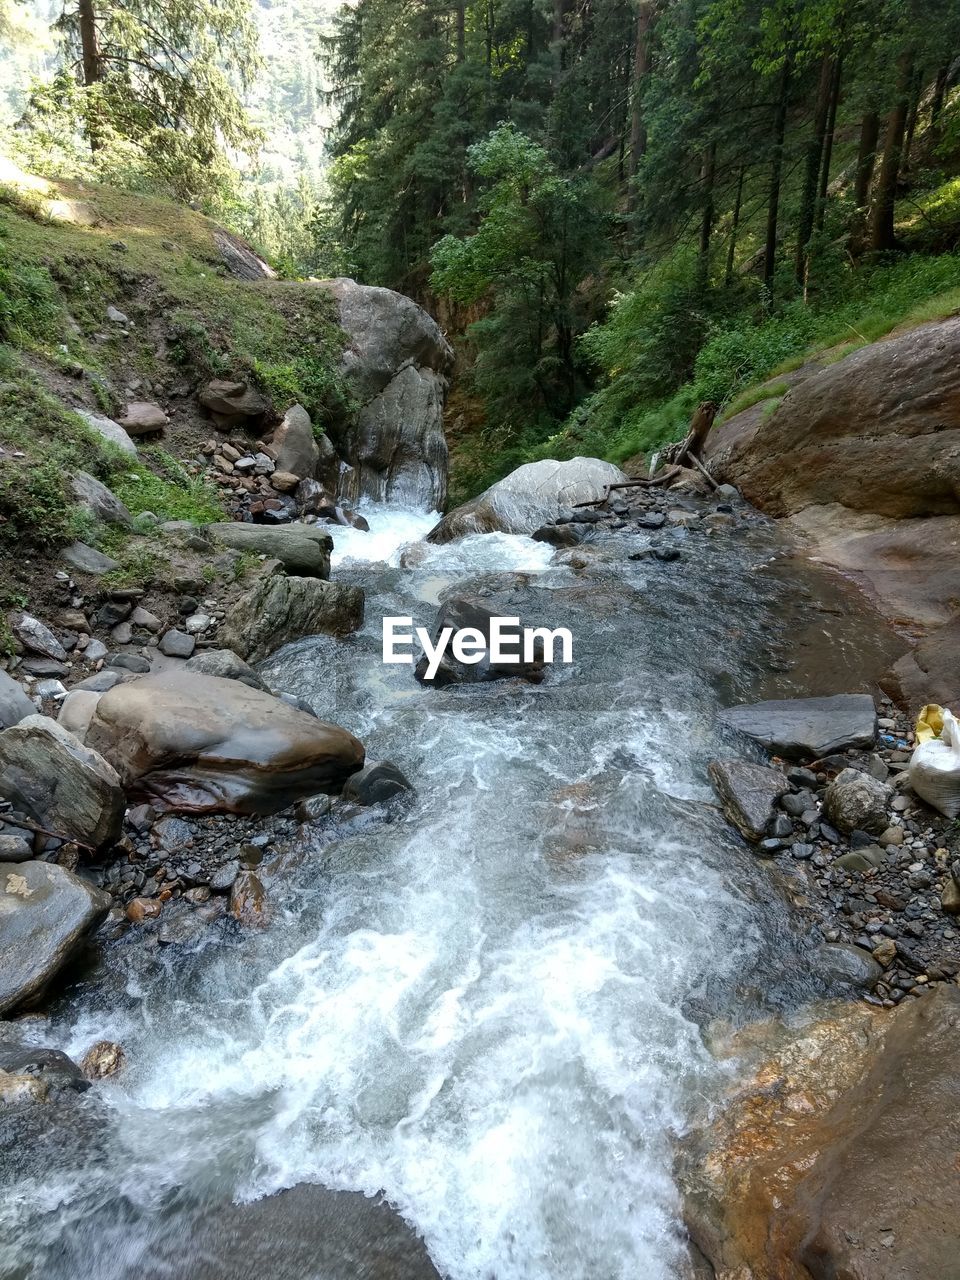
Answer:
(140, 909)
(930, 673)
(877, 431)
(248, 899)
(839, 1159)
(193, 743)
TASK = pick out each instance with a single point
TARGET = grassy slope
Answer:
(159, 264)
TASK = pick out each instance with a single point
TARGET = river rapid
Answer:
(490, 1007)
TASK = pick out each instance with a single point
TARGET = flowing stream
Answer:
(490, 1006)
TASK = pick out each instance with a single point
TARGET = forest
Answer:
(618, 208)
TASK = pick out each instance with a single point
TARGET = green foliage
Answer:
(535, 242)
(34, 506)
(31, 312)
(152, 91)
(310, 380)
(189, 344)
(166, 488)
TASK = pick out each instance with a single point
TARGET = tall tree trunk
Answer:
(560, 33)
(707, 177)
(866, 158)
(937, 100)
(776, 174)
(811, 172)
(828, 143)
(642, 42)
(461, 30)
(882, 237)
(912, 113)
(734, 228)
(89, 44)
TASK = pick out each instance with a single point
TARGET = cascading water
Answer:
(489, 1007)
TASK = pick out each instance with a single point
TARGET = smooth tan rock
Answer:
(296, 451)
(877, 431)
(60, 782)
(45, 914)
(284, 481)
(140, 909)
(142, 418)
(192, 743)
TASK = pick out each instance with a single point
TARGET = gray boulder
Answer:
(36, 637)
(61, 783)
(748, 794)
(533, 495)
(97, 500)
(279, 609)
(143, 418)
(807, 728)
(76, 711)
(376, 784)
(14, 703)
(302, 549)
(460, 613)
(88, 560)
(45, 914)
(299, 453)
(227, 665)
(192, 743)
(848, 966)
(397, 447)
(108, 430)
(396, 362)
(855, 801)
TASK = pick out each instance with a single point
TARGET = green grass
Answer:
(756, 395)
(158, 483)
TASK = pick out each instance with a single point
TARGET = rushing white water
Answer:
(487, 1007)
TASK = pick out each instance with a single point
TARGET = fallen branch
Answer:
(27, 825)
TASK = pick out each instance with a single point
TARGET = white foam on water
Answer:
(457, 1007)
(391, 530)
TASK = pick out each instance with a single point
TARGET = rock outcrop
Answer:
(533, 495)
(807, 728)
(839, 1157)
(862, 458)
(279, 609)
(877, 431)
(302, 548)
(194, 743)
(396, 363)
(748, 793)
(45, 914)
(59, 782)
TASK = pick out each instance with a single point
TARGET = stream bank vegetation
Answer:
(625, 207)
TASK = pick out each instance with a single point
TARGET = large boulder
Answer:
(297, 451)
(533, 495)
(108, 430)
(14, 703)
(96, 499)
(45, 914)
(278, 609)
(234, 403)
(458, 614)
(143, 418)
(397, 449)
(64, 785)
(837, 1159)
(226, 664)
(301, 548)
(396, 362)
(855, 801)
(192, 743)
(877, 431)
(807, 728)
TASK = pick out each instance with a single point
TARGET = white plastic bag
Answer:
(935, 768)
